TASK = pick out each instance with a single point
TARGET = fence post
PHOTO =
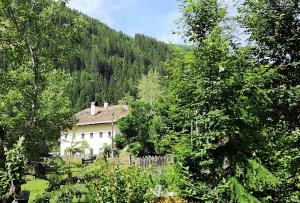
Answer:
(140, 160)
(147, 161)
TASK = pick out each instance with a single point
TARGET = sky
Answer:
(154, 18)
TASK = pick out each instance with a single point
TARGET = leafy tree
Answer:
(120, 141)
(200, 17)
(144, 139)
(272, 27)
(135, 127)
(33, 47)
(127, 99)
(213, 113)
(149, 87)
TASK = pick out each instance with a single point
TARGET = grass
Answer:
(35, 187)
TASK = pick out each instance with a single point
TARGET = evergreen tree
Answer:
(115, 61)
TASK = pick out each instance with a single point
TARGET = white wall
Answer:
(96, 143)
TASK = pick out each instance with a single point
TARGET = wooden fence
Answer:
(152, 161)
(76, 156)
(143, 162)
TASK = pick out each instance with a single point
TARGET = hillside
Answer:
(107, 64)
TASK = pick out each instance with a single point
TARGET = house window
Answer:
(66, 135)
(91, 135)
(91, 151)
(100, 134)
(109, 134)
(82, 135)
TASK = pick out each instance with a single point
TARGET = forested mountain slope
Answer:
(106, 64)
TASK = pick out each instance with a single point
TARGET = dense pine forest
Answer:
(105, 64)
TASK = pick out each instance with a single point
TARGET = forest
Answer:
(227, 111)
(106, 64)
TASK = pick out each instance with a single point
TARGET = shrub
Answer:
(106, 182)
(11, 177)
(70, 193)
(117, 184)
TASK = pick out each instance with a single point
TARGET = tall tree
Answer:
(33, 49)
(135, 128)
(213, 116)
(273, 29)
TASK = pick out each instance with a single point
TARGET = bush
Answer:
(117, 184)
(44, 198)
(105, 182)
(71, 193)
(120, 141)
(11, 177)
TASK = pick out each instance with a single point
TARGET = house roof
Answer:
(103, 115)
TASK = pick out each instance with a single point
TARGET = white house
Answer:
(96, 125)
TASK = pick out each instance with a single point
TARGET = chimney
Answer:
(93, 108)
(105, 104)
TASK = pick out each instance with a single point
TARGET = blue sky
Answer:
(154, 18)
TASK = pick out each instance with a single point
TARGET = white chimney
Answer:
(93, 108)
(105, 104)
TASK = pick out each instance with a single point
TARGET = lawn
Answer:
(35, 187)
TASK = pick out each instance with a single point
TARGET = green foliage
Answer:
(4, 183)
(206, 110)
(238, 192)
(272, 27)
(14, 171)
(15, 163)
(77, 146)
(136, 129)
(120, 141)
(127, 99)
(36, 187)
(66, 193)
(33, 101)
(200, 18)
(105, 182)
(149, 87)
(117, 185)
(107, 150)
(226, 113)
(107, 65)
(141, 128)
(70, 193)
(229, 113)
(258, 178)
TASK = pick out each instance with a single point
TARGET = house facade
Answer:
(96, 126)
